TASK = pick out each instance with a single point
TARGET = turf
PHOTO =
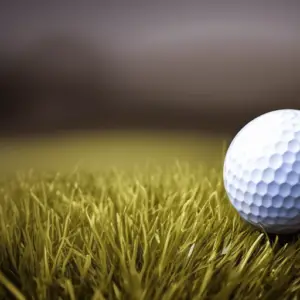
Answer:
(150, 233)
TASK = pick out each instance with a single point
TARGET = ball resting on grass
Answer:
(262, 171)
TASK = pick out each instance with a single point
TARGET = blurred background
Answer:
(201, 67)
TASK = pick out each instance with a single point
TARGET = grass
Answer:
(154, 232)
(94, 151)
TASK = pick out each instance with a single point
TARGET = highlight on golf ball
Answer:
(262, 171)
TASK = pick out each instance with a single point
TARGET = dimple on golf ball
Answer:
(262, 171)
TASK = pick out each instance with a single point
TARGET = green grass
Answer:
(150, 234)
(94, 151)
(158, 231)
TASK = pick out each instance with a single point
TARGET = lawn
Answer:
(158, 228)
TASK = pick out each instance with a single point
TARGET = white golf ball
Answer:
(262, 171)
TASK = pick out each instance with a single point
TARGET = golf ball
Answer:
(262, 171)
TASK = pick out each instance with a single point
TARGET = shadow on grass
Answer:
(276, 239)
(283, 239)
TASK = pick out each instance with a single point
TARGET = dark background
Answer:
(192, 65)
